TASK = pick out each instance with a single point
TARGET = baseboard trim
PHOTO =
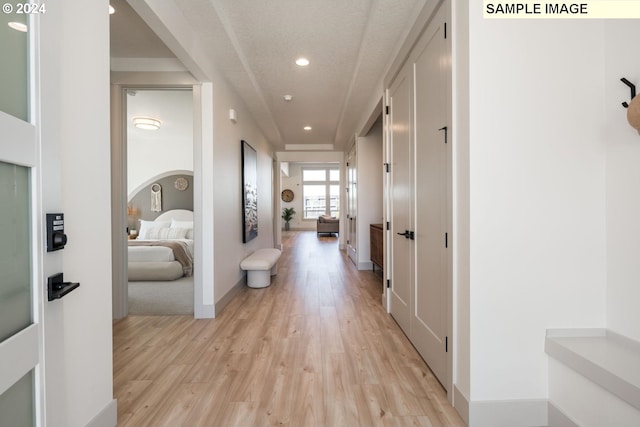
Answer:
(508, 413)
(226, 299)
(365, 265)
(301, 228)
(461, 404)
(204, 312)
(108, 417)
(557, 418)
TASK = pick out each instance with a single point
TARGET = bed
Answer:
(163, 250)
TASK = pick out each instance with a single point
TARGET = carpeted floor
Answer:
(161, 298)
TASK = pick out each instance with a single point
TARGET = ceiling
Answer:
(350, 45)
(174, 109)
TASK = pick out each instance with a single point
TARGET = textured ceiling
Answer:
(350, 44)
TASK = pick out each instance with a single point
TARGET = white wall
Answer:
(75, 131)
(153, 152)
(227, 183)
(293, 182)
(369, 190)
(623, 181)
(537, 188)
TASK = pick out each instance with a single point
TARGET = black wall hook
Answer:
(633, 90)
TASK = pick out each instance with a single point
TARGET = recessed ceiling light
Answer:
(307, 128)
(303, 62)
(111, 10)
(288, 98)
(147, 123)
(19, 26)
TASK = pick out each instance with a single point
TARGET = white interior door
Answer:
(420, 197)
(400, 98)
(428, 317)
(352, 203)
(20, 281)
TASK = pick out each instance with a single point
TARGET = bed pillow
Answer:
(166, 233)
(145, 226)
(188, 225)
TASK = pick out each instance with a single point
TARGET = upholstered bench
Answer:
(260, 266)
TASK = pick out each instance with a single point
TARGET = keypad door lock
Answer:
(56, 239)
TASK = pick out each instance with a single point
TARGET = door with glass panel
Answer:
(20, 288)
(352, 194)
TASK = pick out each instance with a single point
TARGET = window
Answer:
(318, 186)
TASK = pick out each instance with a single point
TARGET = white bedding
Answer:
(159, 263)
(156, 253)
(150, 254)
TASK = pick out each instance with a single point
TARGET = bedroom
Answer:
(160, 200)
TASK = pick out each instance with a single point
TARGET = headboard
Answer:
(177, 214)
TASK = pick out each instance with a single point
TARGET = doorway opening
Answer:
(312, 190)
(160, 201)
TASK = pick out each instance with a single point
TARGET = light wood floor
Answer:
(315, 348)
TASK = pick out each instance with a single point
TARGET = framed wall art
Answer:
(249, 192)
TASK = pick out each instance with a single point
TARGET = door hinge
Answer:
(348, 242)
(388, 283)
(446, 133)
(388, 225)
(446, 344)
(446, 240)
(387, 109)
(445, 30)
(347, 164)
(387, 167)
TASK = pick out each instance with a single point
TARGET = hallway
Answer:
(316, 348)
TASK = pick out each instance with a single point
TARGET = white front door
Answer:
(21, 287)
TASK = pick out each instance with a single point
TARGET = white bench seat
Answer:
(260, 266)
(608, 360)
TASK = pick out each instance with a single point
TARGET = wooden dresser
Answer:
(377, 246)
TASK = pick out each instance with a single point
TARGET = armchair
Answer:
(327, 224)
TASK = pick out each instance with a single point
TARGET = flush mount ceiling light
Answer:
(288, 98)
(111, 10)
(303, 62)
(307, 128)
(19, 26)
(147, 123)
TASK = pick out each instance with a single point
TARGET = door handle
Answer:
(407, 234)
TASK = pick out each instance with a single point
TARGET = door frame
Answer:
(119, 218)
